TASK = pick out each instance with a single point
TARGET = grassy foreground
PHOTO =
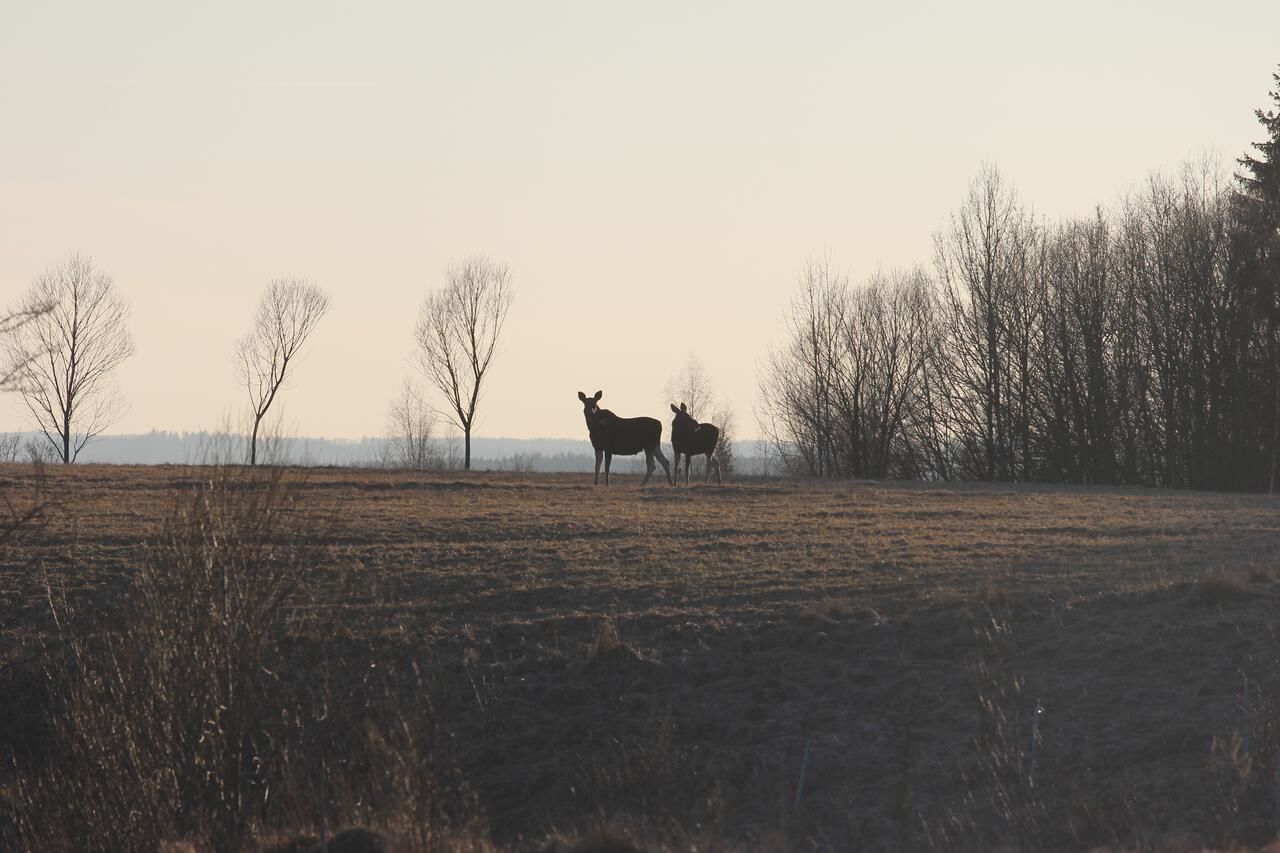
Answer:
(503, 659)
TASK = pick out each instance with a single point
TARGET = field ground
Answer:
(669, 655)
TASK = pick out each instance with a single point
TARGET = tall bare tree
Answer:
(981, 260)
(287, 314)
(62, 346)
(457, 336)
(797, 383)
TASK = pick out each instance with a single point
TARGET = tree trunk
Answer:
(253, 443)
(466, 441)
(1275, 433)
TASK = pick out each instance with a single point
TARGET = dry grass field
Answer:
(767, 665)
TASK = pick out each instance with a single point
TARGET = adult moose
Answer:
(693, 439)
(611, 435)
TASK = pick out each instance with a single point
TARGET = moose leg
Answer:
(608, 460)
(648, 464)
(662, 459)
(706, 475)
(688, 460)
(599, 457)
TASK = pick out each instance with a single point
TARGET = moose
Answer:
(693, 439)
(611, 435)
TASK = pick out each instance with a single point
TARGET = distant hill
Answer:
(506, 454)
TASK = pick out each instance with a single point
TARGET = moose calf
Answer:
(692, 438)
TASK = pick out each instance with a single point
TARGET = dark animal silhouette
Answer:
(612, 435)
(693, 439)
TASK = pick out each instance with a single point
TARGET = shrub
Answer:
(166, 724)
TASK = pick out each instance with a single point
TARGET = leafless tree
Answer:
(287, 314)
(457, 336)
(981, 259)
(797, 386)
(884, 353)
(408, 443)
(62, 348)
(848, 393)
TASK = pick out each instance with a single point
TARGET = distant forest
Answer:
(1137, 345)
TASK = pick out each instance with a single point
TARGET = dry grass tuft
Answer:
(606, 640)
(601, 839)
(1258, 574)
(1220, 589)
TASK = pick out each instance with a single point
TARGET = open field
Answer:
(667, 656)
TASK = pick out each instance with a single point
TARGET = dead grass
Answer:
(756, 618)
(1219, 590)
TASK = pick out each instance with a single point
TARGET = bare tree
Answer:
(981, 260)
(881, 363)
(847, 394)
(457, 336)
(692, 387)
(62, 347)
(408, 443)
(287, 314)
(797, 384)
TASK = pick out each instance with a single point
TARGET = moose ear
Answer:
(674, 409)
(599, 394)
(682, 408)
(582, 397)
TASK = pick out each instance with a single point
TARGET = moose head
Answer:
(683, 418)
(591, 406)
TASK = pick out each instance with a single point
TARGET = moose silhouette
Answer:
(612, 435)
(693, 439)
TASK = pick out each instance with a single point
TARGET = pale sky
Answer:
(654, 174)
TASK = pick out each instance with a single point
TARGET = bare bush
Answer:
(178, 720)
(167, 723)
(10, 446)
(408, 443)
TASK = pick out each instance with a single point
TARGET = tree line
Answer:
(1137, 345)
(60, 348)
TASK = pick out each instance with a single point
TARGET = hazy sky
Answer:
(654, 174)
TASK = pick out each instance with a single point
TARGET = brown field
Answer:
(663, 657)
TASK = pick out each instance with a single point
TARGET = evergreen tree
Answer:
(1260, 178)
(1256, 261)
